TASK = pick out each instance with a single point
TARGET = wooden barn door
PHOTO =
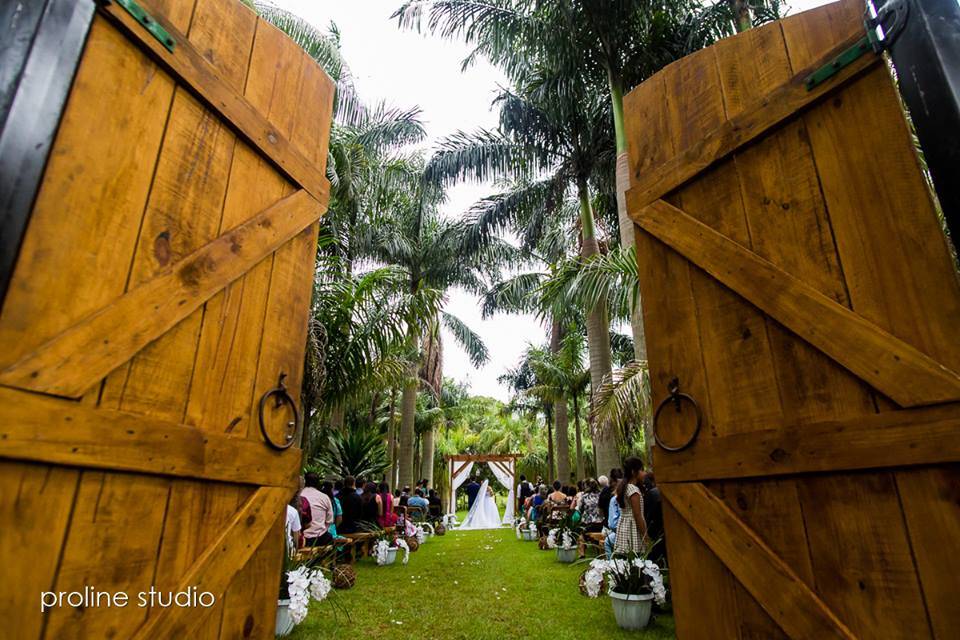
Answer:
(797, 286)
(162, 289)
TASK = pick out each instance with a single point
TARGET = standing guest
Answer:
(317, 533)
(473, 488)
(337, 487)
(524, 491)
(589, 507)
(632, 528)
(327, 488)
(350, 502)
(361, 482)
(371, 507)
(389, 518)
(613, 520)
(424, 486)
(292, 526)
(608, 492)
(436, 505)
(653, 514)
(558, 496)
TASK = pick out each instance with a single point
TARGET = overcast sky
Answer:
(408, 69)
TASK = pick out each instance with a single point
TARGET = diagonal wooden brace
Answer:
(898, 370)
(79, 357)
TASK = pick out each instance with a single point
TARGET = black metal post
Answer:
(926, 55)
(40, 46)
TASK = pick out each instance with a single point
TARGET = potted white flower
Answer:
(634, 583)
(299, 585)
(564, 539)
(386, 549)
(530, 532)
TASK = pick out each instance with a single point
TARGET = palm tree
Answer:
(433, 256)
(550, 147)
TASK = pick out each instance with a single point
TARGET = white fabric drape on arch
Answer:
(506, 479)
(455, 483)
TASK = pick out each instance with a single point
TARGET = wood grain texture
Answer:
(79, 357)
(781, 593)
(43, 429)
(895, 368)
(217, 566)
(189, 67)
(778, 105)
(870, 441)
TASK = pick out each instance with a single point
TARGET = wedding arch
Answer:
(503, 466)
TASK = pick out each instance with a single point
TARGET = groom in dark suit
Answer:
(473, 488)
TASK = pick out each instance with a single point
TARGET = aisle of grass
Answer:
(471, 585)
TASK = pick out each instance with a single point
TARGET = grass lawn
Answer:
(471, 585)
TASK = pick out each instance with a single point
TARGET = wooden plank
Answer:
(703, 591)
(869, 441)
(190, 68)
(294, 265)
(215, 569)
(778, 589)
(861, 554)
(930, 499)
(222, 394)
(43, 429)
(777, 106)
(891, 366)
(112, 545)
(80, 356)
(41, 530)
(183, 213)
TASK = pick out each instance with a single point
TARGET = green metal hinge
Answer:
(148, 22)
(883, 24)
(832, 68)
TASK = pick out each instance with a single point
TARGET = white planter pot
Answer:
(391, 555)
(529, 536)
(284, 619)
(566, 555)
(632, 611)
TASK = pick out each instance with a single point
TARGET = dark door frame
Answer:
(41, 42)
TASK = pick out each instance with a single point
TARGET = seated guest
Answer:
(419, 501)
(653, 514)
(558, 497)
(371, 507)
(405, 496)
(327, 488)
(317, 533)
(571, 493)
(292, 526)
(589, 508)
(607, 492)
(389, 518)
(537, 502)
(350, 503)
(436, 505)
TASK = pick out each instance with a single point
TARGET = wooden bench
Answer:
(363, 542)
(592, 540)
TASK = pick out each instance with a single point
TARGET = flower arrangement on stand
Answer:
(386, 548)
(632, 582)
(564, 539)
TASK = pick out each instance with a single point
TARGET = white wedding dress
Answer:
(484, 513)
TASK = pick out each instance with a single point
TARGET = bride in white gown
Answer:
(484, 513)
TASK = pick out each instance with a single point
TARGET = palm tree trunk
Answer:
(598, 339)
(741, 14)
(426, 467)
(628, 236)
(408, 410)
(560, 416)
(337, 417)
(548, 418)
(392, 440)
(576, 422)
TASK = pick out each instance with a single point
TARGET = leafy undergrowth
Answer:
(471, 585)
